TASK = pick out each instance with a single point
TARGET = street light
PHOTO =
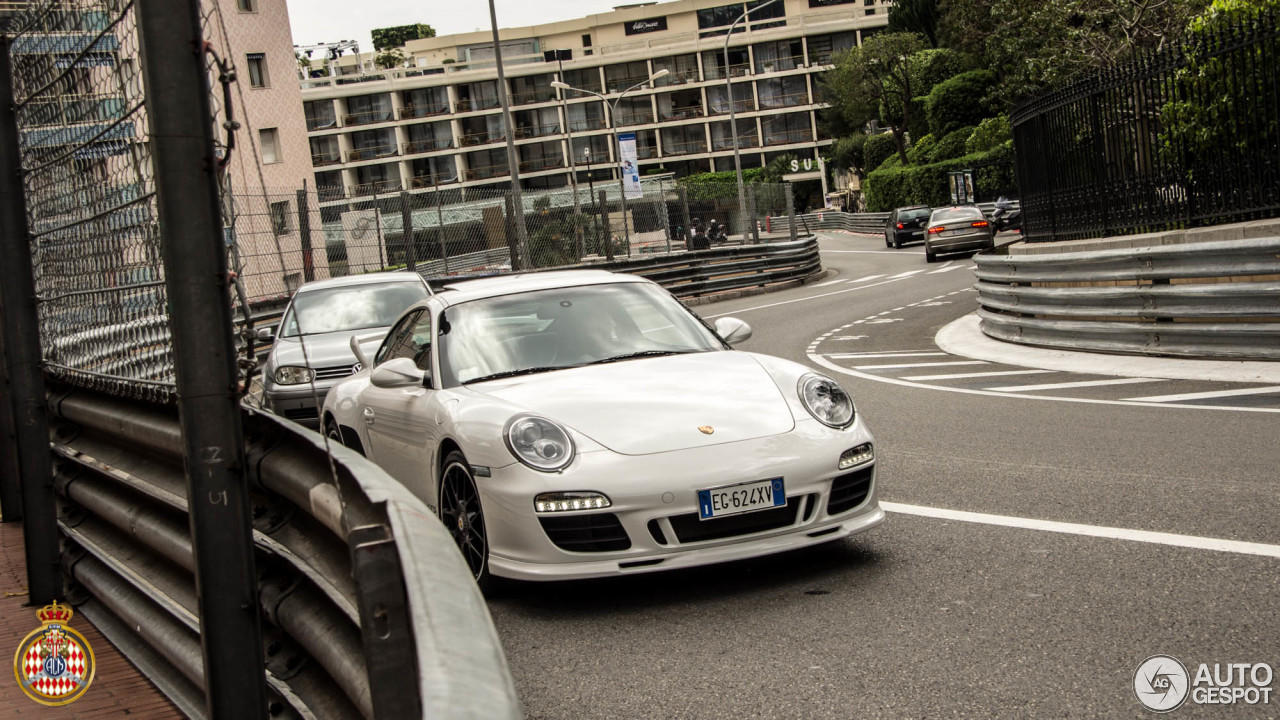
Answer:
(513, 160)
(613, 112)
(591, 190)
(733, 118)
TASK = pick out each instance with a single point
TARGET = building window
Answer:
(247, 5)
(258, 70)
(269, 139)
(280, 217)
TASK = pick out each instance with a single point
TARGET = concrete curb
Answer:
(964, 337)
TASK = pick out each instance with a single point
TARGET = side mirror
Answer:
(266, 333)
(354, 342)
(400, 372)
(732, 330)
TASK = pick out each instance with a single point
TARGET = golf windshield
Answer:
(354, 307)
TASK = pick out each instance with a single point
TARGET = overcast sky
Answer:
(317, 21)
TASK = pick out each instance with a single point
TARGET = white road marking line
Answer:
(819, 360)
(909, 273)
(1077, 384)
(1147, 536)
(799, 299)
(1206, 395)
(945, 269)
(829, 282)
(863, 252)
(962, 376)
(869, 277)
(848, 356)
(913, 365)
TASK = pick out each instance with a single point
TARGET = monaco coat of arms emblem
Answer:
(54, 664)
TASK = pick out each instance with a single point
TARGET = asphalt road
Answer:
(994, 615)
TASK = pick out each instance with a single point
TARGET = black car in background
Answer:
(906, 224)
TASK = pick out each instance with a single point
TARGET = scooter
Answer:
(716, 234)
(1005, 216)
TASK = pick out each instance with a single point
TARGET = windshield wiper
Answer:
(512, 373)
(642, 353)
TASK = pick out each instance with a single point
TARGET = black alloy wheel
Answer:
(462, 515)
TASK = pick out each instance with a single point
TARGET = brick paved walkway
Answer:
(118, 689)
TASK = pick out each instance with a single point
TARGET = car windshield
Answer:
(354, 307)
(960, 213)
(554, 329)
(914, 214)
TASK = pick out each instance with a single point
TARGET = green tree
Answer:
(397, 36)
(392, 58)
(959, 101)
(873, 81)
(877, 149)
(847, 153)
(915, 16)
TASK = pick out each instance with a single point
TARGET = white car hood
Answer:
(652, 405)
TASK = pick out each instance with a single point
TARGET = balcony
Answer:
(744, 141)
(489, 171)
(379, 187)
(640, 118)
(646, 152)
(408, 112)
(429, 145)
(315, 124)
(482, 138)
(532, 131)
(716, 72)
(73, 109)
(720, 107)
(769, 102)
(684, 148)
(372, 153)
(367, 118)
(587, 124)
(546, 163)
(425, 181)
(322, 159)
(787, 138)
(530, 97)
(782, 64)
(469, 105)
(619, 84)
(677, 77)
(683, 113)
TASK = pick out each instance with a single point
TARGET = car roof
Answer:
(364, 279)
(914, 207)
(466, 290)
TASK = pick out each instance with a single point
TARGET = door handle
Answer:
(368, 416)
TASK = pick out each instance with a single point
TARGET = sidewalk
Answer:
(964, 337)
(118, 689)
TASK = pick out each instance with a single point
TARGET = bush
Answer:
(919, 125)
(952, 145)
(959, 101)
(893, 187)
(846, 153)
(931, 67)
(921, 152)
(989, 134)
(878, 149)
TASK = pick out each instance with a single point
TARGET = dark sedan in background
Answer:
(906, 224)
(958, 228)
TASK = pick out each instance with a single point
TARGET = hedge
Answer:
(878, 149)
(959, 101)
(952, 145)
(893, 187)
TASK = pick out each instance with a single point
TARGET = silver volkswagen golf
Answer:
(312, 350)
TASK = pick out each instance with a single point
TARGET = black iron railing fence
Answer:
(1185, 137)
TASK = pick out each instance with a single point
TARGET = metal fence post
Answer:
(304, 232)
(791, 211)
(178, 110)
(751, 216)
(684, 214)
(10, 477)
(406, 231)
(518, 262)
(23, 356)
(608, 231)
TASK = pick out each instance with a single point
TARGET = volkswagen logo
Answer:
(356, 368)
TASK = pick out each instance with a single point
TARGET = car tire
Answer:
(897, 244)
(463, 516)
(886, 241)
(929, 255)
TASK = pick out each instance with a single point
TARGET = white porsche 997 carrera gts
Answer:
(584, 424)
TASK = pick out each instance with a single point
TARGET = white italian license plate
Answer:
(745, 497)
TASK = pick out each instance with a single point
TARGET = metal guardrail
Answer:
(689, 274)
(864, 223)
(367, 608)
(1211, 299)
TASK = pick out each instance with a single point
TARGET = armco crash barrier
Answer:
(1217, 299)
(368, 609)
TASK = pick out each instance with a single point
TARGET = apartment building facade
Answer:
(437, 123)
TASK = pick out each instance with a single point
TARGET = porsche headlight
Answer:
(293, 375)
(825, 400)
(539, 443)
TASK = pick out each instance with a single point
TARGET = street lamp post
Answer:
(591, 190)
(513, 159)
(613, 117)
(733, 118)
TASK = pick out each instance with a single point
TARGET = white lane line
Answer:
(1158, 538)
(945, 269)
(850, 356)
(862, 252)
(962, 376)
(1268, 390)
(914, 365)
(869, 277)
(1077, 384)
(909, 273)
(799, 299)
(830, 282)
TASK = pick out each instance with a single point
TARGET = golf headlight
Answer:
(539, 443)
(826, 401)
(292, 375)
